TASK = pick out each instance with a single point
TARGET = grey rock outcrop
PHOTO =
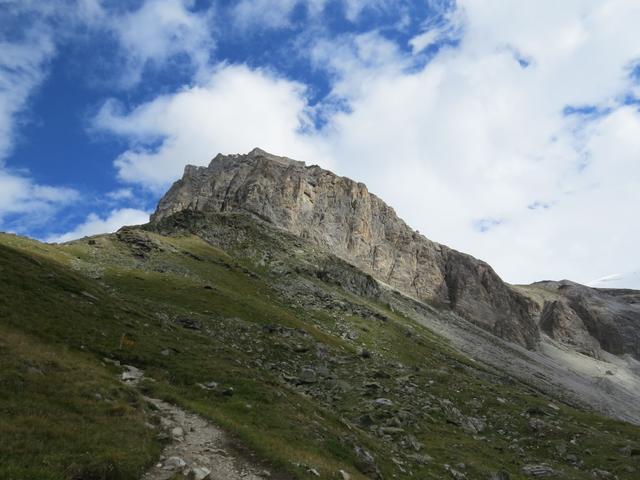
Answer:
(593, 318)
(341, 215)
(539, 470)
(562, 323)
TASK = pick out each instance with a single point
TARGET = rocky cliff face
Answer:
(343, 216)
(563, 324)
(592, 318)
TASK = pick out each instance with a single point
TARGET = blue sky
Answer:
(508, 131)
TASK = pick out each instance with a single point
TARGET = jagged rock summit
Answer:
(341, 215)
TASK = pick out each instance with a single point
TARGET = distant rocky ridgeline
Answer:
(341, 215)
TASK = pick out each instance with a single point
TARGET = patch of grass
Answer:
(62, 416)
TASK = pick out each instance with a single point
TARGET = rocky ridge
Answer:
(592, 319)
(341, 215)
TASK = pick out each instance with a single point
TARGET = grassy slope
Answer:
(64, 416)
(44, 304)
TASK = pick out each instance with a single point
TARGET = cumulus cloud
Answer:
(21, 195)
(354, 61)
(467, 146)
(94, 224)
(159, 31)
(234, 111)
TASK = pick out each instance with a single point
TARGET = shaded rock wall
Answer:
(610, 317)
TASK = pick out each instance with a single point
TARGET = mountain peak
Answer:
(342, 216)
(256, 154)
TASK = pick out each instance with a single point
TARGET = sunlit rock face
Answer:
(341, 215)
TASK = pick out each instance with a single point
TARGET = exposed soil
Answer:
(201, 446)
(198, 449)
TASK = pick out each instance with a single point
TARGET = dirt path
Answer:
(198, 449)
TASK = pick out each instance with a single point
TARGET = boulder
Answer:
(539, 470)
(308, 375)
(198, 473)
(174, 463)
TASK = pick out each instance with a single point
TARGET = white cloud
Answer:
(22, 69)
(423, 40)
(19, 195)
(357, 60)
(445, 25)
(152, 34)
(159, 31)
(94, 224)
(234, 111)
(474, 138)
(120, 194)
(618, 280)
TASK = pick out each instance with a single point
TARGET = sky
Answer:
(507, 130)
